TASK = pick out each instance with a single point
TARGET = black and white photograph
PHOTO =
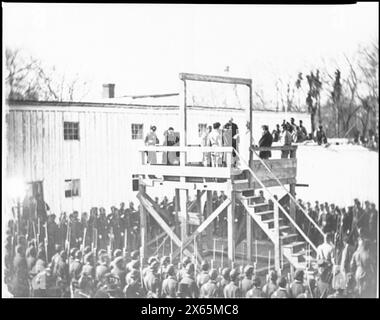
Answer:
(190, 151)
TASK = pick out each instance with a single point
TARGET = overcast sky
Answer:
(142, 48)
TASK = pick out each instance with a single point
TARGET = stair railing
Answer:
(276, 201)
(290, 195)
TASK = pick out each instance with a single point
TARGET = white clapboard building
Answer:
(84, 154)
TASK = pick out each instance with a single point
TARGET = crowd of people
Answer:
(69, 263)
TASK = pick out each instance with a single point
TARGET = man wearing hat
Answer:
(323, 288)
(265, 141)
(152, 140)
(211, 288)
(88, 268)
(296, 288)
(188, 279)
(281, 292)
(204, 276)
(20, 273)
(75, 267)
(246, 283)
(135, 256)
(225, 278)
(165, 260)
(255, 291)
(133, 288)
(182, 272)
(102, 268)
(61, 269)
(170, 284)
(232, 289)
(53, 234)
(152, 280)
(271, 287)
(118, 270)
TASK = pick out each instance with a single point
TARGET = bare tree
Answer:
(27, 79)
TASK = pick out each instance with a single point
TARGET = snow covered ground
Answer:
(338, 173)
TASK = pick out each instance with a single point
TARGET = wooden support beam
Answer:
(230, 229)
(143, 227)
(208, 213)
(206, 223)
(277, 249)
(209, 78)
(177, 209)
(148, 203)
(292, 205)
(183, 195)
(249, 237)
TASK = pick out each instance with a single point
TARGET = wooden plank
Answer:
(208, 213)
(214, 186)
(274, 148)
(249, 237)
(210, 78)
(185, 149)
(230, 229)
(143, 226)
(207, 222)
(207, 172)
(276, 237)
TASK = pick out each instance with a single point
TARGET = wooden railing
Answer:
(292, 149)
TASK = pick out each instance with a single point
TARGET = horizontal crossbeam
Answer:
(209, 78)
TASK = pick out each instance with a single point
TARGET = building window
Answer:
(202, 127)
(71, 130)
(72, 188)
(137, 131)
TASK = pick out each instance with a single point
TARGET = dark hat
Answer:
(234, 274)
(248, 269)
(273, 275)
(282, 282)
(117, 253)
(299, 275)
(256, 282)
(118, 261)
(165, 259)
(226, 273)
(152, 259)
(265, 127)
(88, 257)
(186, 261)
(135, 254)
(213, 274)
(170, 269)
(322, 263)
(153, 128)
(135, 264)
(205, 266)
(171, 128)
(73, 251)
(190, 268)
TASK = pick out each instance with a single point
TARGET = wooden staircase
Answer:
(293, 249)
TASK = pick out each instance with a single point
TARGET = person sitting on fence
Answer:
(265, 141)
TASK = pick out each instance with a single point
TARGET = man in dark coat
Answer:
(246, 283)
(296, 288)
(281, 292)
(75, 267)
(133, 287)
(204, 276)
(232, 289)
(20, 277)
(255, 291)
(152, 281)
(188, 279)
(53, 234)
(211, 289)
(170, 284)
(265, 141)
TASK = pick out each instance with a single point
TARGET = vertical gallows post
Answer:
(277, 250)
(183, 193)
(249, 237)
(231, 228)
(292, 205)
(208, 212)
(143, 226)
